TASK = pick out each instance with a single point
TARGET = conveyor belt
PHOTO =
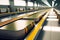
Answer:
(17, 29)
(14, 19)
(51, 29)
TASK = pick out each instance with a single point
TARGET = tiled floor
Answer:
(50, 31)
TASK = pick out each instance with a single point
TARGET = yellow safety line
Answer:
(32, 35)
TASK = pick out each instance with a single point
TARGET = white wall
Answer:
(4, 2)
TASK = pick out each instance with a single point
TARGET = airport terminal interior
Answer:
(29, 19)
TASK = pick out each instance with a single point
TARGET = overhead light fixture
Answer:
(30, 4)
(2, 2)
(53, 3)
(56, 4)
(19, 3)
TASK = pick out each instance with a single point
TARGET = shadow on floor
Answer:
(40, 35)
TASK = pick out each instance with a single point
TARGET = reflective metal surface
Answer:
(17, 25)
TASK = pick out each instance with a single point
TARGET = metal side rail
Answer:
(33, 33)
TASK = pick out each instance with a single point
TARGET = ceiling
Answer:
(56, 2)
